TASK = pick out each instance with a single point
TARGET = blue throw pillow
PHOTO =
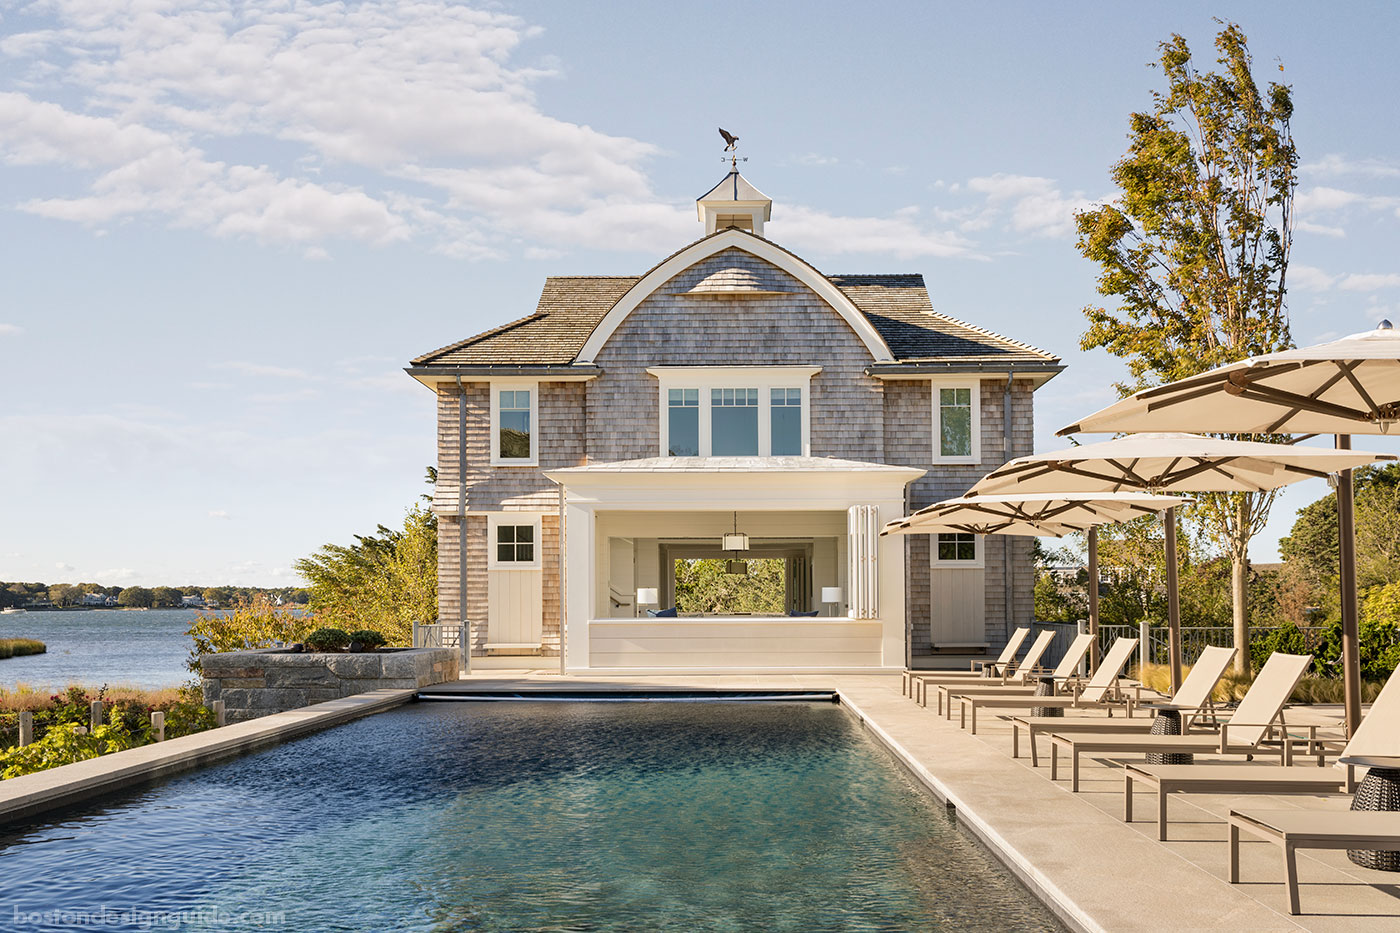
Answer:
(803, 615)
(662, 613)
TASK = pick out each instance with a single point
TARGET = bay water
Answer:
(140, 648)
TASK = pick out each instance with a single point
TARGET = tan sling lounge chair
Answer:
(1016, 678)
(1101, 691)
(1063, 674)
(914, 679)
(1192, 699)
(1245, 734)
(1375, 744)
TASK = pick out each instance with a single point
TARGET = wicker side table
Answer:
(1379, 790)
(1168, 722)
(1045, 687)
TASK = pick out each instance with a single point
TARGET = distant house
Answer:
(192, 602)
(732, 402)
(98, 599)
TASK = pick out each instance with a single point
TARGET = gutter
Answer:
(1038, 372)
(1006, 574)
(569, 372)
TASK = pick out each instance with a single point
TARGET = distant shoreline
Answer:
(94, 608)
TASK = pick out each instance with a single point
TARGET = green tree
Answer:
(165, 597)
(705, 585)
(385, 581)
(1195, 250)
(65, 594)
(135, 597)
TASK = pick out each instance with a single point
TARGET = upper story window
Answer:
(734, 422)
(735, 411)
(956, 423)
(958, 549)
(514, 415)
(683, 421)
(785, 416)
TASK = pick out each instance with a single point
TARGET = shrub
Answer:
(18, 647)
(328, 639)
(368, 637)
(1232, 687)
(1287, 638)
(258, 624)
(63, 745)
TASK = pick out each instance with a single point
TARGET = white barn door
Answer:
(514, 582)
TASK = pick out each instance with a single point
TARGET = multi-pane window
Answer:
(683, 426)
(955, 422)
(515, 544)
(785, 415)
(734, 422)
(957, 547)
(514, 424)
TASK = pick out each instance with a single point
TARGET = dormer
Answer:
(734, 203)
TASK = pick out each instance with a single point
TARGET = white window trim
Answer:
(977, 563)
(976, 415)
(763, 378)
(497, 386)
(497, 519)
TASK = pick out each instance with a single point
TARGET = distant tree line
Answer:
(140, 597)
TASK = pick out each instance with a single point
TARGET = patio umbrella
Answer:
(1168, 462)
(1036, 514)
(1343, 387)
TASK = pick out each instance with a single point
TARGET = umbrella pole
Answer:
(1173, 602)
(1346, 570)
(1094, 597)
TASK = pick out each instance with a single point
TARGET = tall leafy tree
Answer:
(1194, 251)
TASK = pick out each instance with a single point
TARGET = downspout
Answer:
(1007, 577)
(908, 615)
(466, 650)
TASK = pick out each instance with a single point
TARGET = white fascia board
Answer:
(671, 491)
(707, 376)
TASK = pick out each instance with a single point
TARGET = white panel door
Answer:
(515, 607)
(958, 611)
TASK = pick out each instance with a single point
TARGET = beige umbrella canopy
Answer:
(1168, 462)
(1348, 386)
(1344, 387)
(1035, 514)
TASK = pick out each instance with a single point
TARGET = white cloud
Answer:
(117, 575)
(1303, 226)
(1369, 282)
(814, 159)
(1030, 204)
(381, 122)
(10, 330)
(66, 568)
(901, 235)
(1335, 164)
(1309, 278)
(219, 514)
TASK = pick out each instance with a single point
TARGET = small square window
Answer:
(515, 544)
(957, 547)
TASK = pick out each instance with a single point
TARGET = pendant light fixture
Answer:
(736, 540)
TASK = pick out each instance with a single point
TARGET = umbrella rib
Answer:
(1256, 393)
(1346, 369)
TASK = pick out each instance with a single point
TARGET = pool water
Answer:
(527, 816)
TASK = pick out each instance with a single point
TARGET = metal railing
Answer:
(1153, 646)
(443, 635)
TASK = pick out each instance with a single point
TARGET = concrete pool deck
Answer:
(1073, 850)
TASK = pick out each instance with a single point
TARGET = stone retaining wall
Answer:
(259, 683)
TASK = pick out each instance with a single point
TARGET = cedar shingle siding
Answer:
(742, 311)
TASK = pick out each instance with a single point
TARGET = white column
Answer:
(891, 588)
(580, 549)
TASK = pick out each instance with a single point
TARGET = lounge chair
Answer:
(1102, 690)
(1018, 684)
(1003, 661)
(1375, 744)
(1312, 829)
(1245, 734)
(1192, 699)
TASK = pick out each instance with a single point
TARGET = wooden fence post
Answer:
(218, 712)
(95, 714)
(26, 727)
(158, 726)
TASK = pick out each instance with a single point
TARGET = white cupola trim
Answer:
(734, 202)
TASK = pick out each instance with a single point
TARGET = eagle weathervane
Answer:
(731, 144)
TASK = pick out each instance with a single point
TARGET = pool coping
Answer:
(1056, 901)
(25, 797)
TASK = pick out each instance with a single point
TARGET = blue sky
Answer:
(226, 229)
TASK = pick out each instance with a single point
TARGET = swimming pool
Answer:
(528, 816)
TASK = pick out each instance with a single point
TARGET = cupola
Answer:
(734, 203)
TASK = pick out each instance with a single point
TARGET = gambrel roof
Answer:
(897, 306)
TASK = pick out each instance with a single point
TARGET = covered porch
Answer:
(650, 585)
